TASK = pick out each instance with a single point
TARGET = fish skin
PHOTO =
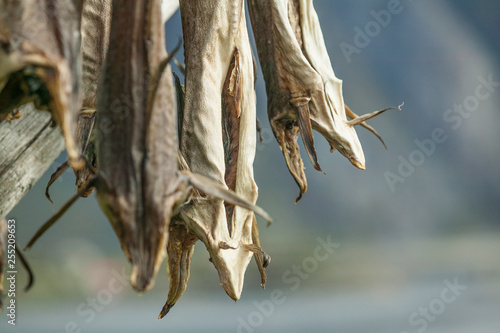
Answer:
(137, 138)
(303, 91)
(95, 16)
(180, 249)
(95, 21)
(40, 62)
(220, 110)
(95, 26)
(140, 185)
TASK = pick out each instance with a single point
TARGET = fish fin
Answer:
(301, 105)
(216, 190)
(59, 213)
(58, 173)
(367, 116)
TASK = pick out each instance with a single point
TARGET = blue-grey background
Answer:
(398, 251)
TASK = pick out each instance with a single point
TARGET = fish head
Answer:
(142, 234)
(227, 252)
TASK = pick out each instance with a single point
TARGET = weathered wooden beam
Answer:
(28, 146)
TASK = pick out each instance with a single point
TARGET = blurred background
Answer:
(416, 235)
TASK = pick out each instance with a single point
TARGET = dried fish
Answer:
(95, 24)
(303, 91)
(139, 186)
(180, 248)
(219, 132)
(39, 62)
(96, 21)
(137, 157)
(239, 146)
(182, 239)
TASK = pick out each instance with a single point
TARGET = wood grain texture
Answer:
(28, 146)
